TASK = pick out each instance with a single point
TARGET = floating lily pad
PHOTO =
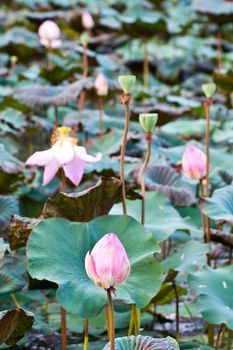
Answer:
(220, 206)
(215, 290)
(190, 258)
(57, 248)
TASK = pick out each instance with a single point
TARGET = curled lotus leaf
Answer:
(144, 343)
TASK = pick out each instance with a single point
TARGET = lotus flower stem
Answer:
(177, 311)
(145, 66)
(111, 319)
(86, 337)
(56, 117)
(141, 174)
(101, 115)
(205, 221)
(210, 330)
(125, 99)
(63, 329)
(219, 48)
(131, 322)
(82, 96)
(207, 105)
(137, 320)
(107, 320)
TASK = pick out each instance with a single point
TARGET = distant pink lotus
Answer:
(65, 154)
(50, 35)
(108, 265)
(101, 84)
(87, 20)
(194, 163)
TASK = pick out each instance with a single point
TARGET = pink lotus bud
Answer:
(101, 85)
(194, 163)
(49, 34)
(108, 264)
(87, 20)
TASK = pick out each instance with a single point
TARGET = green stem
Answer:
(141, 175)
(210, 330)
(86, 337)
(63, 181)
(125, 100)
(63, 329)
(111, 319)
(177, 311)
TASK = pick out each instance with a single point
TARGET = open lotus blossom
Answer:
(108, 265)
(194, 163)
(87, 20)
(64, 153)
(101, 84)
(50, 35)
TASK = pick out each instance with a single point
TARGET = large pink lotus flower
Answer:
(65, 154)
(108, 264)
(101, 84)
(87, 20)
(50, 35)
(194, 163)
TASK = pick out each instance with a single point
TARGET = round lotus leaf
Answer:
(215, 289)
(57, 248)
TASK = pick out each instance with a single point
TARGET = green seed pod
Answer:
(209, 89)
(127, 82)
(148, 121)
(84, 38)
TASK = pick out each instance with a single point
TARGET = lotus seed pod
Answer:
(209, 89)
(148, 121)
(127, 82)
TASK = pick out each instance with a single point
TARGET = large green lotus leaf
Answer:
(3, 247)
(190, 258)
(87, 205)
(57, 248)
(215, 289)
(14, 324)
(143, 343)
(161, 218)
(220, 206)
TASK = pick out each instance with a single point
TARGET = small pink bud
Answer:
(108, 265)
(194, 163)
(87, 20)
(49, 34)
(101, 85)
